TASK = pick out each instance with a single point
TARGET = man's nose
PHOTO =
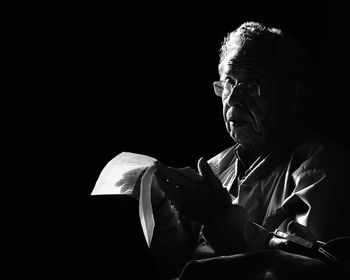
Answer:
(235, 99)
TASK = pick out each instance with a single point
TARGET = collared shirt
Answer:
(306, 181)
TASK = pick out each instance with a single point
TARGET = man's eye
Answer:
(230, 80)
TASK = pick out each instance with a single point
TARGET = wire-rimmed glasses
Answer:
(225, 88)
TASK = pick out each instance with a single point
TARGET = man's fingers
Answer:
(165, 183)
(205, 170)
(302, 231)
(178, 197)
(189, 173)
(172, 175)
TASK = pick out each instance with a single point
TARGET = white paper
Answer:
(120, 175)
(145, 205)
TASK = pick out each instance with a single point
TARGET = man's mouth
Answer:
(238, 123)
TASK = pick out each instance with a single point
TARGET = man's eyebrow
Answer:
(225, 76)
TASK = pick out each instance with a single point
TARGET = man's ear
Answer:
(296, 96)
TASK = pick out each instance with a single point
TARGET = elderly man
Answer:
(277, 175)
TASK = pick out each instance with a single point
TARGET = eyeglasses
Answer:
(224, 89)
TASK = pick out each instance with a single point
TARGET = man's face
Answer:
(251, 121)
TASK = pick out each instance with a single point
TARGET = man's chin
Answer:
(247, 139)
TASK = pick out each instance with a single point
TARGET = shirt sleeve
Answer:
(321, 188)
(233, 232)
(173, 241)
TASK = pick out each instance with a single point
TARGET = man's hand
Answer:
(298, 239)
(157, 195)
(198, 196)
(297, 229)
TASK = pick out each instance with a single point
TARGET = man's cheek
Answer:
(229, 129)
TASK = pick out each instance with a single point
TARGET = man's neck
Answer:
(279, 136)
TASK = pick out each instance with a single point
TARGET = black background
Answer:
(138, 77)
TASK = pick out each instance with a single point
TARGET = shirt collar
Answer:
(243, 155)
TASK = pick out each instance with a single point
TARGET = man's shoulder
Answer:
(318, 150)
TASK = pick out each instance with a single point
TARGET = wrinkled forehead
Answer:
(251, 61)
(253, 69)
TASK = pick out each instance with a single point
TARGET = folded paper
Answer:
(120, 176)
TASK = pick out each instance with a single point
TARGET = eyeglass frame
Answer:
(217, 83)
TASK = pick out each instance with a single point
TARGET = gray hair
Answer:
(275, 50)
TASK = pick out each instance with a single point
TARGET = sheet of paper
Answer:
(145, 205)
(120, 175)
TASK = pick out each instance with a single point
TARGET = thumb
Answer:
(205, 170)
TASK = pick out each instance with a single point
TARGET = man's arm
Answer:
(202, 198)
(174, 237)
(233, 232)
(174, 240)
